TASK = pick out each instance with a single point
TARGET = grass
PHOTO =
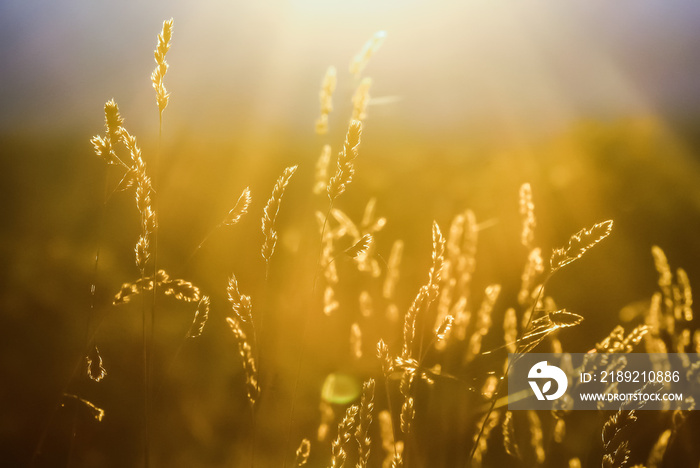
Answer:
(408, 342)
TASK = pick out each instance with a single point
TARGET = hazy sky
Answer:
(260, 63)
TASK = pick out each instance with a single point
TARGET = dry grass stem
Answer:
(330, 304)
(359, 63)
(105, 148)
(240, 303)
(393, 269)
(346, 161)
(616, 454)
(483, 320)
(360, 100)
(330, 272)
(686, 295)
(510, 329)
(509, 441)
(559, 431)
(178, 288)
(368, 222)
(369, 226)
(533, 268)
(162, 96)
(385, 358)
(144, 202)
(471, 236)
(397, 459)
(182, 290)
(360, 247)
(270, 214)
(527, 213)
(617, 342)
(200, 318)
(327, 418)
(302, 454)
(365, 300)
(97, 413)
(245, 351)
(579, 243)
(443, 331)
(356, 340)
(326, 98)
(438, 259)
(488, 390)
(662, 267)
(321, 173)
(536, 437)
(463, 317)
(408, 411)
(113, 122)
(409, 328)
(345, 225)
(239, 209)
(387, 435)
(544, 326)
(346, 428)
(362, 432)
(487, 426)
(95, 370)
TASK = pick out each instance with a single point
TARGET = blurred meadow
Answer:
(595, 104)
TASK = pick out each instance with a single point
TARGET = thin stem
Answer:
(391, 411)
(146, 409)
(196, 249)
(294, 392)
(74, 432)
(323, 231)
(253, 436)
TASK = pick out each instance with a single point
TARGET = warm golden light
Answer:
(319, 244)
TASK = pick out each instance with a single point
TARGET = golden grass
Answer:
(240, 208)
(360, 100)
(270, 211)
(341, 443)
(245, 352)
(579, 243)
(180, 289)
(362, 431)
(616, 450)
(326, 98)
(97, 413)
(200, 318)
(321, 173)
(527, 213)
(95, 371)
(359, 62)
(345, 169)
(451, 327)
(303, 452)
(162, 96)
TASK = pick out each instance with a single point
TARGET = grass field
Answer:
(338, 290)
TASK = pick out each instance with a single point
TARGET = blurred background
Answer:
(596, 104)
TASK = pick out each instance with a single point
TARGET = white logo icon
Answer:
(543, 371)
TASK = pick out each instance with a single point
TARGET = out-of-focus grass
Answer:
(633, 171)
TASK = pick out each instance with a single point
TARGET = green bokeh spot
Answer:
(340, 389)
